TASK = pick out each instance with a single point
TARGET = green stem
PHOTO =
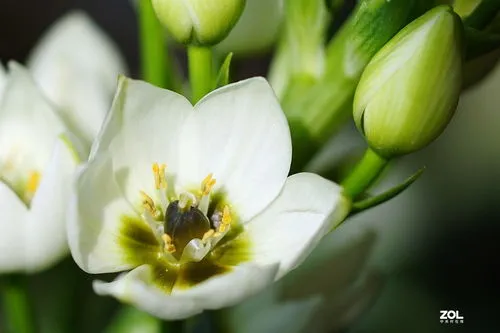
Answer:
(16, 305)
(364, 174)
(155, 62)
(200, 71)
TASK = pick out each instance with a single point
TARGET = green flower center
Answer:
(185, 238)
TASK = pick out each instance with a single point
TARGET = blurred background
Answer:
(437, 243)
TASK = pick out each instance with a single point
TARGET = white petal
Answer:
(142, 128)
(231, 288)
(45, 234)
(3, 80)
(256, 30)
(289, 229)
(240, 134)
(94, 219)
(220, 291)
(315, 291)
(29, 127)
(12, 230)
(135, 288)
(77, 65)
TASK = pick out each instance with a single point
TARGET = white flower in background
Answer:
(37, 163)
(326, 293)
(257, 29)
(195, 202)
(77, 65)
(3, 79)
(76, 68)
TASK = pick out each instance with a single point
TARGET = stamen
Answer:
(208, 234)
(169, 246)
(149, 205)
(161, 184)
(206, 187)
(156, 173)
(226, 220)
(32, 185)
(207, 184)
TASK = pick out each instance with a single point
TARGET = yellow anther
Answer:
(149, 204)
(169, 246)
(208, 234)
(207, 184)
(226, 216)
(222, 228)
(159, 175)
(33, 182)
(226, 220)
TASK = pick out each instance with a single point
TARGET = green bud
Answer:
(409, 91)
(199, 22)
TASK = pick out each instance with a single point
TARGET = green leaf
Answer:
(376, 200)
(223, 76)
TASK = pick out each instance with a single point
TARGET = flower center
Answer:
(182, 223)
(25, 188)
(31, 186)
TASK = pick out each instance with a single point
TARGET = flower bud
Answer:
(199, 22)
(409, 90)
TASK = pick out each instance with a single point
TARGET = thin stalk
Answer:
(155, 62)
(16, 305)
(200, 71)
(364, 174)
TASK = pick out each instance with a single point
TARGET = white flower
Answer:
(37, 163)
(77, 65)
(76, 68)
(257, 29)
(222, 240)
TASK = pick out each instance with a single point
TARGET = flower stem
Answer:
(155, 62)
(364, 174)
(200, 71)
(16, 305)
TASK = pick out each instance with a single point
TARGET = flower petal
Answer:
(12, 230)
(81, 85)
(289, 229)
(231, 288)
(142, 128)
(256, 30)
(3, 80)
(29, 127)
(240, 134)
(94, 219)
(135, 288)
(227, 289)
(312, 296)
(45, 234)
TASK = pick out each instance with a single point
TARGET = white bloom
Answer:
(77, 65)
(257, 29)
(221, 241)
(37, 163)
